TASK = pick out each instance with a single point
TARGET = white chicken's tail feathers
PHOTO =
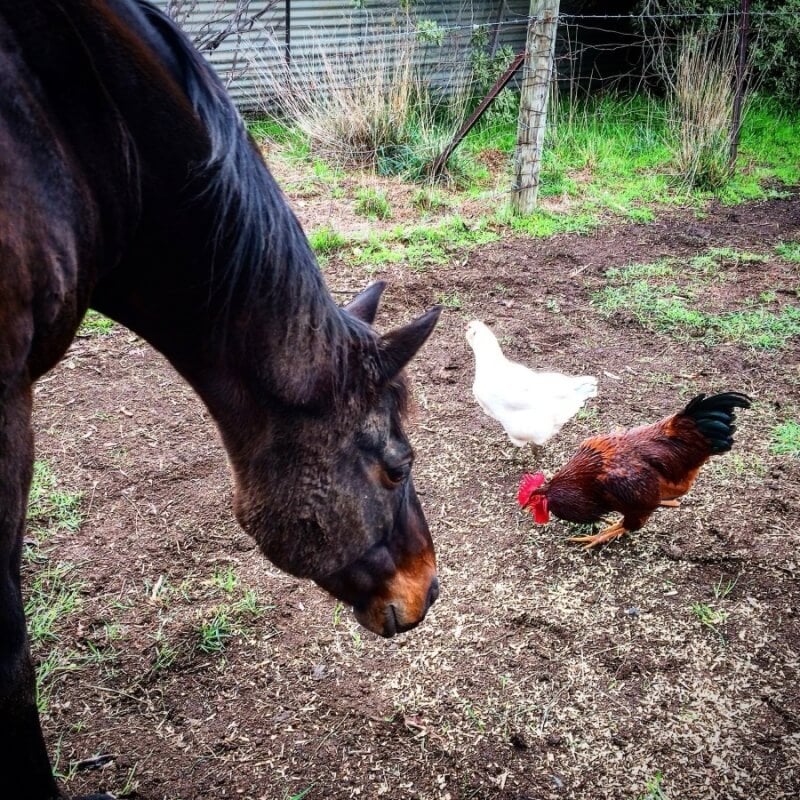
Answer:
(586, 386)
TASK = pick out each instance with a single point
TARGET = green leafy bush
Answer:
(774, 51)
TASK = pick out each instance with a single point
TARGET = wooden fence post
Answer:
(535, 92)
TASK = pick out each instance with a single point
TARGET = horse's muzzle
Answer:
(404, 602)
(393, 625)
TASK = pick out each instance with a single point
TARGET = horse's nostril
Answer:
(433, 593)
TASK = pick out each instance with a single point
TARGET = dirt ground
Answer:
(544, 671)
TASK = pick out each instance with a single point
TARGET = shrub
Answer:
(372, 108)
(774, 35)
(701, 108)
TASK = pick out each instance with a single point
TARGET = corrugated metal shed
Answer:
(340, 28)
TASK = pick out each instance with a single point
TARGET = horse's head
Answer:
(328, 493)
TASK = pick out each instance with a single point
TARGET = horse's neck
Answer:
(215, 268)
(277, 328)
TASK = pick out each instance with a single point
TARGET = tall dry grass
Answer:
(371, 106)
(700, 107)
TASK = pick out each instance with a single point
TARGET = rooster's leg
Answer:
(674, 503)
(606, 535)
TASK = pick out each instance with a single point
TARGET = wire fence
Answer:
(243, 38)
(346, 69)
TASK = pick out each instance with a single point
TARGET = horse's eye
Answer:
(398, 473)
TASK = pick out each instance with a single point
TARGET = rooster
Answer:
(531, 406)
(636, 471)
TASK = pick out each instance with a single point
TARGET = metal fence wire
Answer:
(255, 45)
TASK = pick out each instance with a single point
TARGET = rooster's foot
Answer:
(670, 503)
(607, 535)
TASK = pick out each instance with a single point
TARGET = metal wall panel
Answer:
(337, 27)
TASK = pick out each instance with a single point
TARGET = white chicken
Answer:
(531, 406)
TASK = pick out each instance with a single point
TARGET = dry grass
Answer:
(372, 107)
(700, 117)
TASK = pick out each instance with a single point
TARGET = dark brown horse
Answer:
(128, 184)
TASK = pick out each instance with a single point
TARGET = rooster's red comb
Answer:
(527, 486)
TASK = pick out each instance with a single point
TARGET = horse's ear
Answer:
(364, 305)
(399, 346)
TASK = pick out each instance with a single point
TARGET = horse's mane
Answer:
(255, 228)
(258, 242)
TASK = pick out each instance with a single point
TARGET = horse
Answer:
(129, 184)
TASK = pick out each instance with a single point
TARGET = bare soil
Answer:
(544, 671)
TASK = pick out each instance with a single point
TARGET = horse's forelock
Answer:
(401, 395)
(354, 357)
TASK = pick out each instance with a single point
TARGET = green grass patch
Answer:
(299, 795)
(542, 223)
(722, 255)
(739, 465)
(325, 241)
(293, 144)
(786, 438)
(769, 147)
(164, 655)
(451, 300)
(610, 155)
(51, 591)
(607, 155)
(49, 670)
(219, 623)
(52, 596)
(250, 606)
(708, 615)
(658, 269)
(325, 173)
(653, 788)
(95, 324)
(430, 200)
(222, 623)
(214, 632)
(50, 508)
(722, 588)
(759, 328)
(225, 579)
(498, 134)
(372, 203)
(667, 297)
(269, 129)
(789, 251)
(414, 155)
(670, 312)
(420, 247)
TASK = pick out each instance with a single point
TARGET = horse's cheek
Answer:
(293, 527)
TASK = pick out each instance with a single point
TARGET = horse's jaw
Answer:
(392, 585)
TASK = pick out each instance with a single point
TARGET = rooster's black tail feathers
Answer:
(714, 416)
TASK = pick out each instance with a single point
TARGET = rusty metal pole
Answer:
(441, 160)
(741, 69)
(540, 52)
